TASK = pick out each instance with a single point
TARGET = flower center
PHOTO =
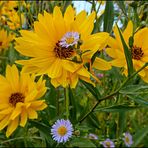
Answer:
(0, 43)
(108, 144)
(62, 130)
(127, 139)
(15, 98)
(63, 52)
(70, 40)
(137, 53)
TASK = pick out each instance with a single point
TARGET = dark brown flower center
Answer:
(15, 98)
(137, 53)
(63, 52)
(0, 43)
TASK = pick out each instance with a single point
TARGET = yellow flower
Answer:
(9, 16)
(59, 46)
(5, 39)
(139, 49)
(19, 99)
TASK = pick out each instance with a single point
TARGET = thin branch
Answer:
(113, 94)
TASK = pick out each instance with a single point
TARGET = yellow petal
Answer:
(101, 64)
(69, 16)
(55, 69)
(16, 112)
(115, 53)
(6, 111)
(31, 96)
(118, 62)
(73, 80)
(32, 114)
(87, 26)
(23, 117)
(128, 32)
(50, 25)
(117, 35)
(4, 106)
(70, 66)
(58, 22)
(12, 127)
(55, 83)
(4, 122)
(41, 107)
(141, 37)
(113, 43)
(12, 76)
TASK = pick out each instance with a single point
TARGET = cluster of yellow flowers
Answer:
(9, 15)
(60, 46)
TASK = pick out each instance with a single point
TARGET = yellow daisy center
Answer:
(15, 98)
(107, 144)
(62, 130)
(63, 52)
(70, 40)
(127, 139)
(137, 53)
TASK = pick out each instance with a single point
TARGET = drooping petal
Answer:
(12, 127)
(32, 114)
(101, 64)
(23, 117)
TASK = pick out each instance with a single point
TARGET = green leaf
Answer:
(93, 120)
(81, 142)
(94, 91)
(134, 89)
(139, 136)
(108, 16)
(73, 110)
(127, 53)
(122, 122)
(118, 108)
(43, 128)
(138, 99)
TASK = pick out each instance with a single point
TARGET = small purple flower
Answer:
(62, 130)
(108, 143)
(100, 75)
(128, 139)
(69, 39)
(93, 136)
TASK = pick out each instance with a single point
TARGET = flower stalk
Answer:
(67, 101)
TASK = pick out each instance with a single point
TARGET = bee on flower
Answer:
(19, 99)
(60, 45)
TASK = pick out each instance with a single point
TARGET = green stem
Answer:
(20, 15)
(3, 58)
(57, 101)
(67, 101)
(20, 138)
(112, 94)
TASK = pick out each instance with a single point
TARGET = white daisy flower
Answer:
(62, 130)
